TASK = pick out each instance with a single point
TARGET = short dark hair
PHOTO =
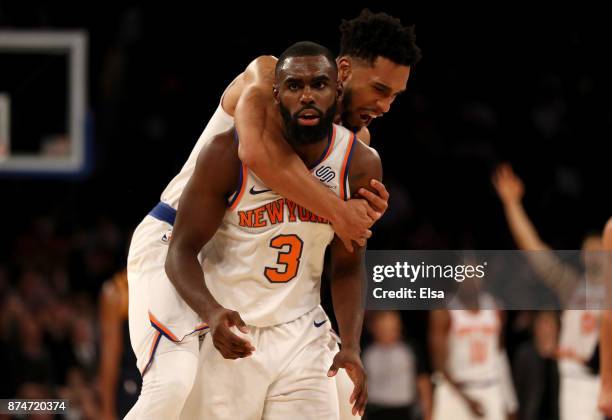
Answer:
(305, 49)
(371, 35)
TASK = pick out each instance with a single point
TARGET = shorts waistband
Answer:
(164, 212)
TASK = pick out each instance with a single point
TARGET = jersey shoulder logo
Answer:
(325, 173)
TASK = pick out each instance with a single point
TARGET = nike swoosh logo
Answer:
(254, 191)
(318, 324)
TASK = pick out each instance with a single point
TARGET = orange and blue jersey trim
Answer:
(161, 330)
(168, 334)
(242, 181)
(156, 339)
(346, 164)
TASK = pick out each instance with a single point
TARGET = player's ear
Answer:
(345, 67)
(275, 93)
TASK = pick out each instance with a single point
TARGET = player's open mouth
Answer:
(365, 119)
(308, 118)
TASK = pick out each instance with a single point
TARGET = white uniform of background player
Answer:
(473, 361)
(163, 328)
(579, 385)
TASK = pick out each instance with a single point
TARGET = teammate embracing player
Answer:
(261, 258)
(376, 55)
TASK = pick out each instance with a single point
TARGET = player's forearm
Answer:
(185, 273)
(523, 231)
(292, 180)
(264, 151)
(111, 344)
(425, 396)
(108, 389)
(454, 384)
(437, 345)
(109, 376)
(107, 399)
(556, 275)
(348, 306)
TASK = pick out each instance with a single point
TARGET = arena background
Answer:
(531, 92)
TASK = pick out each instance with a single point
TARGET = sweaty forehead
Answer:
(306, 67)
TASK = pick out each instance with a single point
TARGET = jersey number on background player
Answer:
(478, 352)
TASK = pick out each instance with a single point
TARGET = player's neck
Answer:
(338, 117)
(311, 153)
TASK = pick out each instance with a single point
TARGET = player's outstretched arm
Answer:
(561, 277)
(264, 151)
(200, 212)
(510, 190)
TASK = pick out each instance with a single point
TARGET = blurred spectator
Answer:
(33, 363)
(119, 379)
(57, 320)
(30, 390)
(398, 381)
(535, 371)
(84, 345)
(80, 393)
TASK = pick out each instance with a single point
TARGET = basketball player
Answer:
(376, 56)
(579, 328)
(262, 259)
(373, 71)
(605, 395)
(468, 355)
(119, 378)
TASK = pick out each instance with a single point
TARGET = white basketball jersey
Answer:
(473, 345)
(220, 122)
(266, 259)
(579, 337)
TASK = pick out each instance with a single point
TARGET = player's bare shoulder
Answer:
(215, 176)
(364, 135)
(219, 160)
(221, 148)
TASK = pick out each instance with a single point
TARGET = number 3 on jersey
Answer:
(289, 254)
